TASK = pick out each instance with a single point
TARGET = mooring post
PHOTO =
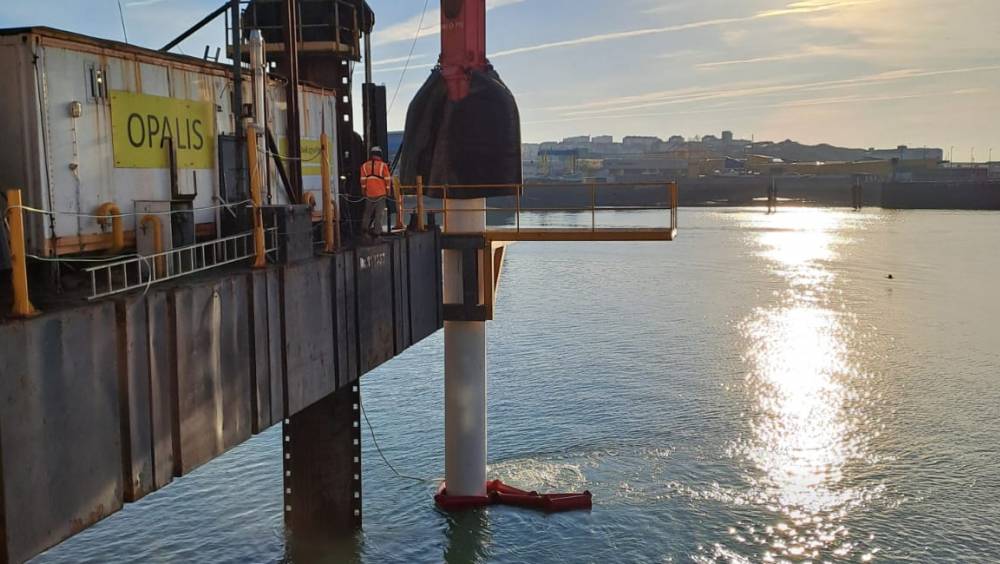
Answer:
(464, 365)
(329, 240)
(18, 256)
(421, 219)
(260, 251)
(397, 188)
(110, 214)
(322, 466)
(155, 223)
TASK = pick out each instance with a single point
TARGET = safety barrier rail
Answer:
(143, 271)
(339, 32)
(419, 193)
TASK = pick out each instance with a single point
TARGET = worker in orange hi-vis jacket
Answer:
(376, 183)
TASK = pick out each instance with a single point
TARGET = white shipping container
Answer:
(62, 97)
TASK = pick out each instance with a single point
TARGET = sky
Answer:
(859, 73)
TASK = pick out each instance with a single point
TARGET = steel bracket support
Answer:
(482, 262)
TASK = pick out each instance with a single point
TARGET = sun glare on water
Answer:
(802, 427)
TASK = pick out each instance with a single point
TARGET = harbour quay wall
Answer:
(693, 192)
(828, 191)
(967, 195)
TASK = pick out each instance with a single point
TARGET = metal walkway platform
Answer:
(521, 208)
(596, 235)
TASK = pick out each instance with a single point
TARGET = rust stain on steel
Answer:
(79, 525)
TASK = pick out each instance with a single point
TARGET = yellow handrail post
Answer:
(329, 239)
(18, 256)
(110, 211)
(336, 226)
(444, 206)
(674, 201)
(517, 206)
(398, 191)
(260, 252)
(309, 199)
(670, 205)
(156, 224)
(593, 207)
(420, 204)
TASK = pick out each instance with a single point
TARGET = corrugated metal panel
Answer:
(20, 164)
(319, 115)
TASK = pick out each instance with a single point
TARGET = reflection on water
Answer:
(803, 431)
(468, 537)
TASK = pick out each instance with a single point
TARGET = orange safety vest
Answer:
(376, 178)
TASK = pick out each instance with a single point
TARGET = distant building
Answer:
(905, 153)
(645, 169)
(529, 151)
(650, 158)
(557, 162)
(637, 143)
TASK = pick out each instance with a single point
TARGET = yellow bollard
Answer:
(109, 212)
(309, 199)
(18, 257)
(336, 227)
(260, 253)
(398, 190)
(329, 237)
(420, 204)
(156, 224)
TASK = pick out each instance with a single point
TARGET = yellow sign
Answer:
(312, 157)
(143, 125)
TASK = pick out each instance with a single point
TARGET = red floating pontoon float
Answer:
(499, 493)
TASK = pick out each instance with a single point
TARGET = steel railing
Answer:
(144, 271)
(341, 31)
(419, 193)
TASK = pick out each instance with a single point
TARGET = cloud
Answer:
(140, 3)
(810, 6)
(855, 99)
(805, 53)
(407, 29)
(404, 67)
(795, 8)
(679, 54)
(602, 37)
(691, 95)
(403, 59)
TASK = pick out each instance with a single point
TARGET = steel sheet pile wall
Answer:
(424, 271)
(268, 398)
(345, 318)
(213, 366)
(309, 354)
(59, 427)
(376, 334)
(105, 403)
(981, 195)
